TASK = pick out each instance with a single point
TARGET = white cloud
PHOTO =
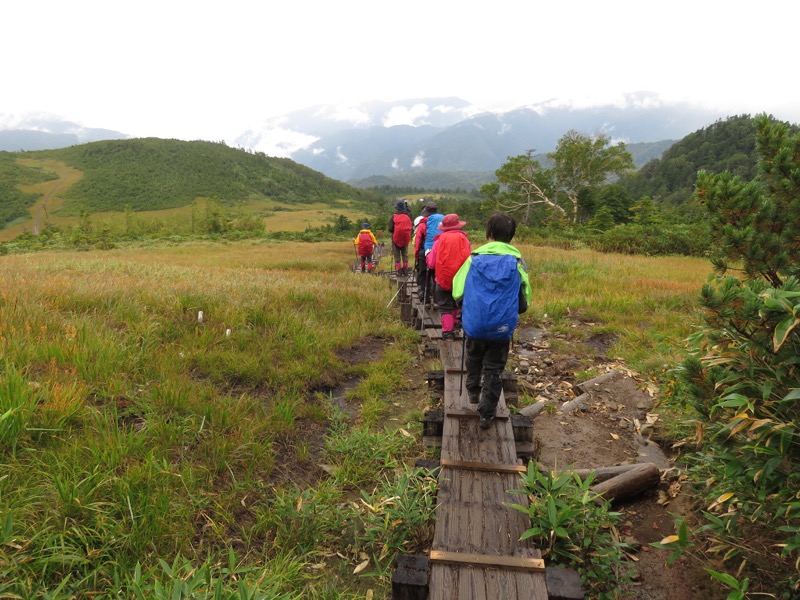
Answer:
(419, 160)
(348, 113)
(395, 164)
(275, 141)
(340, 156)
(466, 113)
(401, 115)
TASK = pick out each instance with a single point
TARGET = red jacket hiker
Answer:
(451, 249)
(400, 226)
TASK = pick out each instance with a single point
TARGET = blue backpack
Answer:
(490, 309)
(432, 229)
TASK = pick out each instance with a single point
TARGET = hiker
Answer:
(400, 226)
(450, 249)
(493, 289)
(419, 218)
(418, 236)
(365, 243)
(426, 231)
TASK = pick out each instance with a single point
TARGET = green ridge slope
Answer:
(156, 174)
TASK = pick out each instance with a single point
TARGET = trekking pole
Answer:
(393, 297)
(425, 296)
(461, 377)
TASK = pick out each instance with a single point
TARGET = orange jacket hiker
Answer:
(365, 243)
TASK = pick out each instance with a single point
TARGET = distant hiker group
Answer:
(481, 291)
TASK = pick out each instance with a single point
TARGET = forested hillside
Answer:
(154, 174)
(723, 146)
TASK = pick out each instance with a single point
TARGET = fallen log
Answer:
(605, 473)
(589, 385)
(533, 409)
(577, 403)
(629, 483)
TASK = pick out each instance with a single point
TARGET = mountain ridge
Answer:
(355, 142)
(449, 134)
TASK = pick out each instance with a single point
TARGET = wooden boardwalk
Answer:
(476, 551)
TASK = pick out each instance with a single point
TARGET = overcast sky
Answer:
(201, 70)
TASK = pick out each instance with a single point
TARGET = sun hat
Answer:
(450, 222)
(365, 226)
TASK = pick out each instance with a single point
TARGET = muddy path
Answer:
(616, 423)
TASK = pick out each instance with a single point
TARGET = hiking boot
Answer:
(448, 335)
(474, 397)
(485, 422)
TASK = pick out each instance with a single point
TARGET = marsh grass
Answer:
(649, 304)
(134, 432)
(141, 447)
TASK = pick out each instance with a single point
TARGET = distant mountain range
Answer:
(45, 132)
(421, 139)
(404, 140)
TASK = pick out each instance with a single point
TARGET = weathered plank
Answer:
(410, 578)
(479, 466)
(486, 560)
(472, 413)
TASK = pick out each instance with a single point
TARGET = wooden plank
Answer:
(465, 412)
(521, 563)
(473, 517)
(479, 466)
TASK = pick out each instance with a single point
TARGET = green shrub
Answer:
(688, 240)
(743, 374)
(572, 526)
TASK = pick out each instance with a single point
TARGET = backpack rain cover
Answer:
(402, 230)
(490, 309)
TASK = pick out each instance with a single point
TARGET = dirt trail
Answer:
(49, 201)
(617, 423)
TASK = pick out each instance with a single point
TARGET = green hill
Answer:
(155, 174)
(723, 146)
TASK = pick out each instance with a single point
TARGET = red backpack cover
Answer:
(365, 245)
(402, 230)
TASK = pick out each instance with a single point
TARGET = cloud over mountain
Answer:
(380, 138)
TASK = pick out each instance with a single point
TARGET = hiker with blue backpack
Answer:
(427, 229)
(400, 226)
(493, 289)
